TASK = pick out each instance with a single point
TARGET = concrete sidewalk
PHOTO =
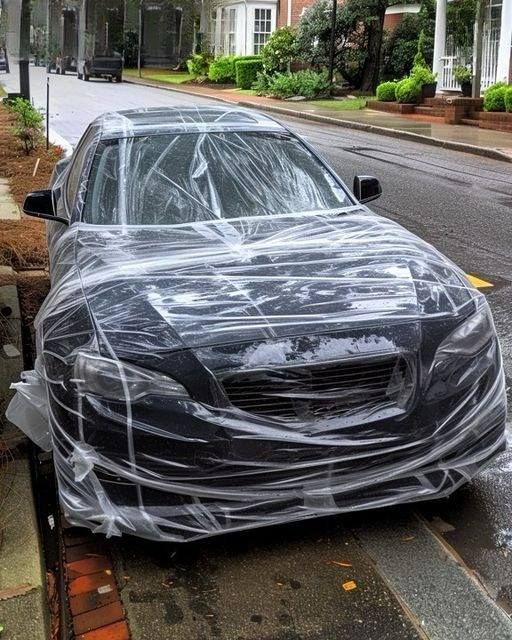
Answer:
(419, 128)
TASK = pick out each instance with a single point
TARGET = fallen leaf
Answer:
(407, 538)
(349, 585)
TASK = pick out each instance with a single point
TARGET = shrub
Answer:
(222, 69)
(198, 65)
(246, 72)
(28, 126)
(419, 58)
(386, 91)
(408, 91)
(262, 83)
(508, 99)
(422, 75)
(494, 97)
(279, 50)
(308, 84)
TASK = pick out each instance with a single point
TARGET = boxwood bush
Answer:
(198, 65)
(222, 69)
(386, 91)
(246, 72)
(494, 97)
(508, 99)
(408, 91)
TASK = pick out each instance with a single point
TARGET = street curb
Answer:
(486, 152)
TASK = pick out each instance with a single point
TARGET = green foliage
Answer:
(508, 99)
(262, 83)
(419, 58)
(386, 91)
(422, 75)
(279, 51)
(198, 65)
(494, 97)
(28, 126)
(401, 44)
(460, 18)
(131, 49)
(313, 38)
(308, 84)
(246, 72)
(408, 91)
(462, 75)
(222, 69)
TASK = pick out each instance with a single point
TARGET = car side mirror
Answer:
(40, 205)
(366, 188)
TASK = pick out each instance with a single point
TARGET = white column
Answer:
(439, 38)
(505, 45)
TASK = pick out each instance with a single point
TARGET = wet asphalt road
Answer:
(280, 583)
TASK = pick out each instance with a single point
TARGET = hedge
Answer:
(408, 91)
(222, 69)
(246, 72)
(508, 99)
(386, 91)
(494, 97)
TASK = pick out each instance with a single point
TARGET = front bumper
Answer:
(205, 476)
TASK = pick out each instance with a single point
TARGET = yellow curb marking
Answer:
(478, 282)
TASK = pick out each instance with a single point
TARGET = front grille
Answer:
(380, 386)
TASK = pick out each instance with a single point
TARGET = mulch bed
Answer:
(23, 243)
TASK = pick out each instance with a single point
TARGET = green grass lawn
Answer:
(161, 75)
(347, 104)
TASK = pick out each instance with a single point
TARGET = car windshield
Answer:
(188, 177)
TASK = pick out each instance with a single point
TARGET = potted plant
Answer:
(462, 76)
(424, 77)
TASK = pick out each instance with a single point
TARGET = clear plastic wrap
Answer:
(248, 364)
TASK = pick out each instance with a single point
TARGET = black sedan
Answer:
(232, 339)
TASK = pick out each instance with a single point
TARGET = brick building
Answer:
(242, 28)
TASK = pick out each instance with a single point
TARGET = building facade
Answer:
(240, 28)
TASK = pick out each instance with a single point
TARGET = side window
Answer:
(76, 171)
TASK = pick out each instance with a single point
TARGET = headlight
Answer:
(115, 380)
(469, 338)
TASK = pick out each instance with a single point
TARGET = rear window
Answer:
(180, 178)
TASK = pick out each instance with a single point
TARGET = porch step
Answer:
(438, 101)
(436, 112)
(470, 121)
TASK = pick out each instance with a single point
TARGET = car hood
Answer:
(153, 289)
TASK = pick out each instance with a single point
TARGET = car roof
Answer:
(186, 119)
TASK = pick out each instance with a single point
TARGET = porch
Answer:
(496, 47)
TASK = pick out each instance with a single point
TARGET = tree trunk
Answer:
(371, 68)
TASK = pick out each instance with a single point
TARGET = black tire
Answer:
(86, 77)
(119, 78)
(63, 72)
(79, 76)
(110, 78)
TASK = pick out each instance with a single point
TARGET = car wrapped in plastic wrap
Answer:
(231, 340)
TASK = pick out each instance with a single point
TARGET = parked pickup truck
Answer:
(107, 66)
